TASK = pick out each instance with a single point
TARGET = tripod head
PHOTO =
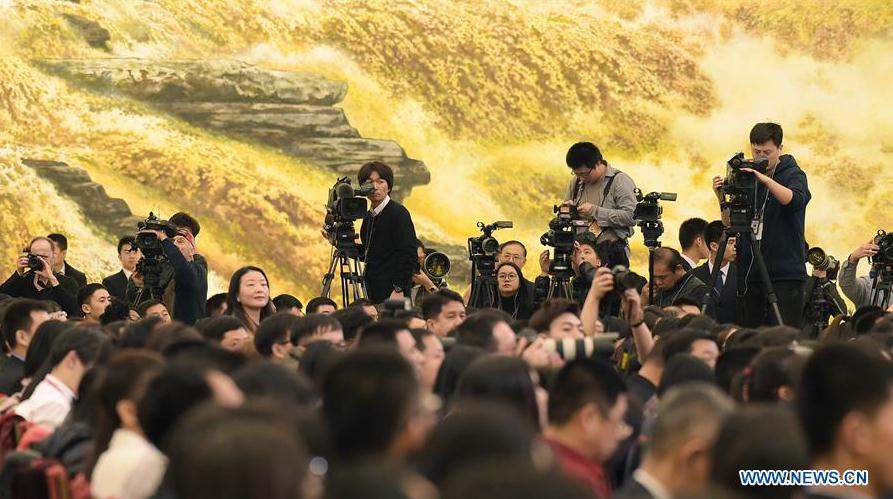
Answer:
(648, 215)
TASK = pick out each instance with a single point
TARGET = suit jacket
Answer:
(116, 284)
(633, 490)
(79, 278)
(725, 310)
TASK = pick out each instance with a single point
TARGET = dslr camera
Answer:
(151, 264)
(344, 206)
(436, 266)
(34, 262)
(561, 236)
(822, 261)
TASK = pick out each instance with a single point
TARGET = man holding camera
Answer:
(389, 242)
(34, 278)
(671, 281)
(861, 289)
(603, 196)
(779, 209)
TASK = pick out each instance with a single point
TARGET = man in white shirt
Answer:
(72, 354)
(677, 455)
(723, 304)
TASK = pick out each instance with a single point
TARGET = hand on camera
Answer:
(586, 209)
(46, 273)
(158, 233)
(423, 280)
(717, 187)
(22, 264)
(536, 355)
(761, 177)
(603, 283)
(545, 262)
(631, 304)
(867, 249)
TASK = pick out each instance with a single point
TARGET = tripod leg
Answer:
(767, 282)
(330, 275)
(717, 269)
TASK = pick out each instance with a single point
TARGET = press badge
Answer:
(757, 227)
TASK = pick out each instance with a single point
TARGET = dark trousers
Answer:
(755, 310)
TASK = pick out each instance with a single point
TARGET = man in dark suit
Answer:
(723, 304)
(693, 243)
(845, 405)
(677, 459)
(20, 321)
(128, 255)
(38, 281)
(60, 251)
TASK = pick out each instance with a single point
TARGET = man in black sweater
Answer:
(780, 219)
(671, 281)
(388, 238)
(42, 283)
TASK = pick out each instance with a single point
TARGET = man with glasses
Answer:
(36, 279)
(128, 255)
(603, 196)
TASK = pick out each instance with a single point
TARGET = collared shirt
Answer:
(378, 209)
(614, 211)
(130, 468)
(691, 263)
(651, 484)
(127, 273)
(49, 404)
(575, 465)
(723, 271)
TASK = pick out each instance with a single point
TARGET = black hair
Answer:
(669, 257)
(214, 302)
(175, 390)
(368, 397)
(581, 382)
(17, 317)
(136, 334)
(143, 307)
(284, 301)
(184, 220)
(764, 132)
(513, 479)
(583, 154)
(272, 330)
(384, 171)
(433, 304)
(307, 326)
(477, 330)
(772, 369)
(612, 253)
(477, 432)
(86, 292)
(215, 328)
(731, 363)
(506, 380)
(542, 319)
(380, 333)
(681, 341)
(40, 345)
(695, 410)
(317, 302)
(86, 342)
(274, 382)
(234, 308)
(126, 240)
(838, 379)
(352, 321)
(507, 243)
(419, 336)
(690, 230)
(60, 240)
(455, 363)
(317, 359)
(360, 303)
(713, 232)
(686, 301)
(124, 378)
(684, 368)
(758, 438)
(116, 311)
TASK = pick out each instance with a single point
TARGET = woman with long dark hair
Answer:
(514, 298)
(248, 298)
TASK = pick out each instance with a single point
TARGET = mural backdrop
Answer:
(244, 113)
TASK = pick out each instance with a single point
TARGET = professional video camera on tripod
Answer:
(153, 266)
(738, 195)
(561, 238)
(344, 207)
(647, 216)
(482, 253)
(823, 301)
(882, 268)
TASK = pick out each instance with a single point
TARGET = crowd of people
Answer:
(143, 386)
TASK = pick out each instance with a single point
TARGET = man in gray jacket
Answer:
(859, 289)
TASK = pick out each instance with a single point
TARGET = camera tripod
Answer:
(881, 288)
(651, 232)
(353, 285)
(743, 233)
(484, 288)
(819, 308)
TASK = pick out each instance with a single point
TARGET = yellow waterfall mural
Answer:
(488, 94)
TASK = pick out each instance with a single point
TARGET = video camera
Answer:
(482, 249)
(561, 236)
(345, 205)
(884, 256)
(740, 187)
(647, 215)
(151, 264)
(822, 261)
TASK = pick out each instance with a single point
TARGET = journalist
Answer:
(860, 290)
(603, 196)
(190, 279)
(671, 281)
(388, 238)
(779, 219)
(38, 281)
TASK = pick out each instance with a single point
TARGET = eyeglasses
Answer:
(581, 174)
(507, 277)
